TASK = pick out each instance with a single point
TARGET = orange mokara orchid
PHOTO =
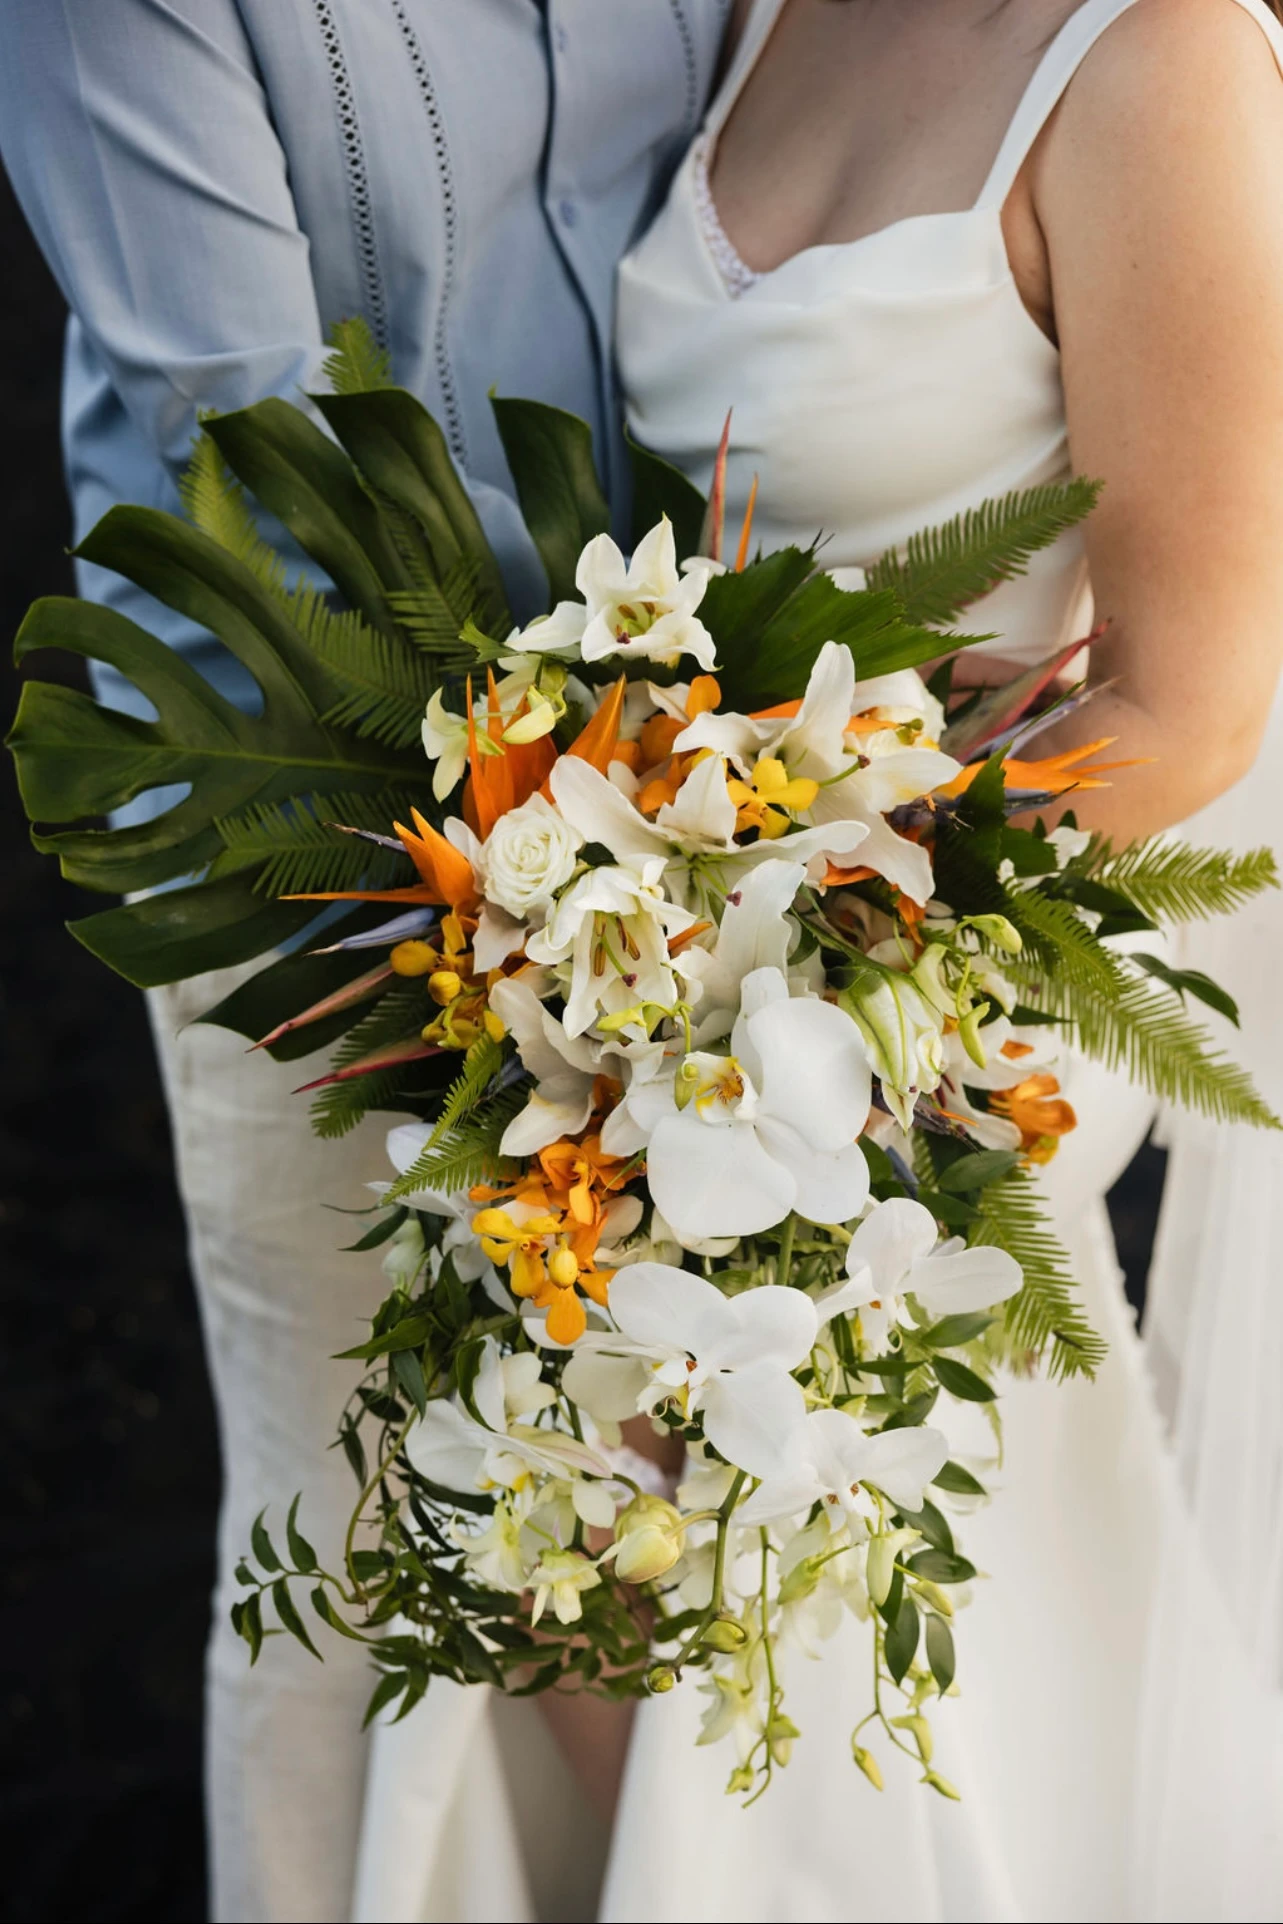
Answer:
(1039, 1111)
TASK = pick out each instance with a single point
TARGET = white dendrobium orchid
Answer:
(727, 1357)
(827, 1459)
(614, 925)
(405, 1144)
(863, 775)
(733, 1143)
(894, 1254)
(563, 1070)
(643, 609)
(450, 1448)
(695, 833)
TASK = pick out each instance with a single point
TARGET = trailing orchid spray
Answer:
(695, 936)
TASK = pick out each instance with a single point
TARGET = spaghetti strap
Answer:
(1055, 71)
(757, 31)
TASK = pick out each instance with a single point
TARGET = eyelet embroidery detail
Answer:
(691, 111)
(453, 422)
(358, 180)
(736, 273)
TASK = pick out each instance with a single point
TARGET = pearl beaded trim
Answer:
(738, 276)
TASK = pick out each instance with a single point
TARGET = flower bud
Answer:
(969, 1031)
(998, 930)
(686, 1082)
(443, 986)
(932, 1593)
(413, 958)
(942, 1784)
(725, 1634)
(660, 1679)
(868, 1763)
(563, 1267)
(781, 1734)
(880, 1570)
(920, 1731)
(801, 1580)
(741, 1779)
(647, 1553)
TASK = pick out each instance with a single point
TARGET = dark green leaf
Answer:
(940, 1653)
(410, 1333)
(962, 1382)
(386, 1692)
(972, 1172)
(382, 1232)
(959, 1481)
(932, 1525)
(408, 1371)
(184, 932)
(902, 1638)
(262, 1544)
(952, 1331)
(290, 1618)
(301, 1551)
(250, 1625)
(369, 1565)
(915, 1412)
(354, 1451)
(659, 489)
(948, 1209)
(940, 1568)
(1190, 982)
(294, 982)
(324, 1609)
(550, 454)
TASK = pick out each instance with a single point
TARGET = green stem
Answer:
(364, 1498)
(719, 1571)
(784, 1261)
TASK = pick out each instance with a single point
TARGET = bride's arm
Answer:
(1159, 190)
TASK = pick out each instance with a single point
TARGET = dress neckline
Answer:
(1059, 61)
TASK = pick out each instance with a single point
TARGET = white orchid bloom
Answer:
(828, 1458)
(643, 609)
(450, 1448)
(770, 1128)
(728, 1358)
(695, 833)
(817, 744)
(821, 1581)
(561, 1577)
(563, 1070)
(405, 1144)
(498, 1555)
(445, 742)
(756, 932)
(613, 926)
(896, 1252)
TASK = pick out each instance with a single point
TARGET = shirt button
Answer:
(569, 213)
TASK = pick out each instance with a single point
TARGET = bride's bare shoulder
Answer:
(1161, 54)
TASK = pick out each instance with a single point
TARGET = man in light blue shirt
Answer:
(214, 183)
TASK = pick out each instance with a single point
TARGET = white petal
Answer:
(902, 1462)
(789, 1492)
(601, 574)
(608, 1387)
(702, 810)
(815, 1071)
(447, 1447)
(498, 936)
(668, 1310)
(542, 1122)
(653, 567)
(593, 1504)
(832, 1185)
(973, 1279)
(737, 737)
(715, 1179)
(754, 934)
(770, 1324)
(405, 1144)
(838, 839)
(904, 864)
(902, 775)
(596, 808)
(888, 1242)
(750, 1417)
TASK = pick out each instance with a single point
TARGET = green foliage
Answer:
(470, 1153)
(1176, 883)
(482, 1063)
(1045, 1313)
(215, 503)
(942, 571)
(659, 489)
(297, 847)
(550, 455)
(356, 364)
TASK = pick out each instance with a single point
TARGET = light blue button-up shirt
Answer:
(216, 182)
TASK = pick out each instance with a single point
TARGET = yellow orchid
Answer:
(766, 801)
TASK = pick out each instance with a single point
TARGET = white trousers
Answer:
(285, 1759)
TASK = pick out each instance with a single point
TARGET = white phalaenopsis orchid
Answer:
(896, 1252)
(827, 1458)
(450, 1448)
(643, 608)
(863, 774)
(694, 833)
(613, 927)
(734, 1142)
(756, 932)
(726, 1357)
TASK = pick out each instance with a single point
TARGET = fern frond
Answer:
(435, 614)
(481, 1065)
(1045, 1313)
(470, 1153)
(383, 685)
(1056, 936)
(399, 1013)
(1173, 882)
(303, 853)
(945, 569)
(1143, 1030)
(215, 502)
(356, 364)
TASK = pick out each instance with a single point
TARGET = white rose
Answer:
(530, 855)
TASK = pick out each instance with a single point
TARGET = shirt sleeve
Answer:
(139, 141)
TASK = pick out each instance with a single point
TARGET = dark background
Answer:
(105, 1415)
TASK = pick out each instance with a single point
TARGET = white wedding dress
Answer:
(1119, 1735)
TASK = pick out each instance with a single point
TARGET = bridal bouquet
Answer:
(701, 938)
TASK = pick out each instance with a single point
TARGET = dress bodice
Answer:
(878, 386)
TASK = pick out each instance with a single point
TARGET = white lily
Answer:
(451, 1448)
(695, 833)
(613, 925)
(726, 1357)
(896, 1252)
(734, 1142)
(818, 744)
(828, 1458)
(643, 608)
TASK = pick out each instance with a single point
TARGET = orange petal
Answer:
(710, 535)
(741, 558)
(567, 1319)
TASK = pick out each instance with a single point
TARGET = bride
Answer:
(928, 252)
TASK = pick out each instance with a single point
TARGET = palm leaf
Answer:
(299, 846)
